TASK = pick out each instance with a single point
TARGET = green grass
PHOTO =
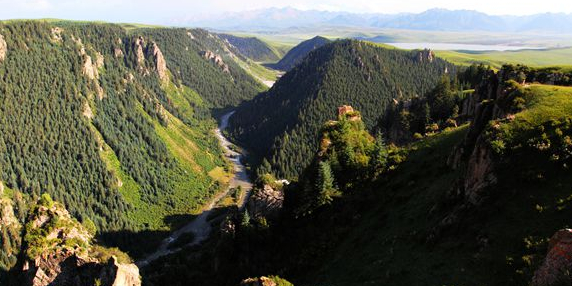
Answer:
(128, 188)
(191, 191)
(198, 155)
(257, 70)
(500, 242)
(389, 231)
(182, 97)
(536, 58)
(544, 103)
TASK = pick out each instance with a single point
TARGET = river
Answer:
(200, 226)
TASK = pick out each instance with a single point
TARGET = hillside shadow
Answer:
(139, 244)
(273, 66)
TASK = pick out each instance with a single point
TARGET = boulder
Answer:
(558, 261)
(266, 202)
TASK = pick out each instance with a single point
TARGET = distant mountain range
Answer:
(430, 20)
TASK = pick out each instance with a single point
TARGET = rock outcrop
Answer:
(160, 63)
(118, 53)
(216, 59)
(139, 54)
(266, 201)
(89, 69)
(59, 253)
(265, 281)
(262, 281)
(558, 261)
(148, 58)
(426, 55)
(57, 34)
(10, 231)
(87, 112)
(3, 48)
(481, 108)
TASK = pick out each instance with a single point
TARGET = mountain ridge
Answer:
(341, 72)
(435, 19)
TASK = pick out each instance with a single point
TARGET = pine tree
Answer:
(245, 222)
(325, 184)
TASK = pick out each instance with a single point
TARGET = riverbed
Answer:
(200, 226)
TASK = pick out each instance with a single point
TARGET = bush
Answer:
(46, 201)
(103, 254)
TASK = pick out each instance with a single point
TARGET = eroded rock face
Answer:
(73, 270)
(160, 63)
(474, 149)
(480, 172)
(216, 59)
(262, 281)
(99, 60)
(87, 112)
(3, 48)
(266, 202)
(558, 261)
(61, 256)
(118, 53)
(89, 68)
(140, 55)
(7, 217)
(426, 56)
(57, 34)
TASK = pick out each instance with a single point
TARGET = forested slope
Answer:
(484, 203)
(116, 125)
(360, 74)
(299, 52)
(253, 48)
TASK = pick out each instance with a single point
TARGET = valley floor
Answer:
(200, 226)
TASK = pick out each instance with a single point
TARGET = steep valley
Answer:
(134, 155)
(483, 203)
(115, 125)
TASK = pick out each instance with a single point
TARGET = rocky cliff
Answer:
(10, 232)
(148, 57)
(160, 63)
(266, 201)
(265, 281)
(3, 49)
(216, 59)
(490, 101)
(59, 251)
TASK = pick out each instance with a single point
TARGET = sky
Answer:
(165, 11)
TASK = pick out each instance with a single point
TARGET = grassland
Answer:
(544, 103)
(549, 57)
(544, 57)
